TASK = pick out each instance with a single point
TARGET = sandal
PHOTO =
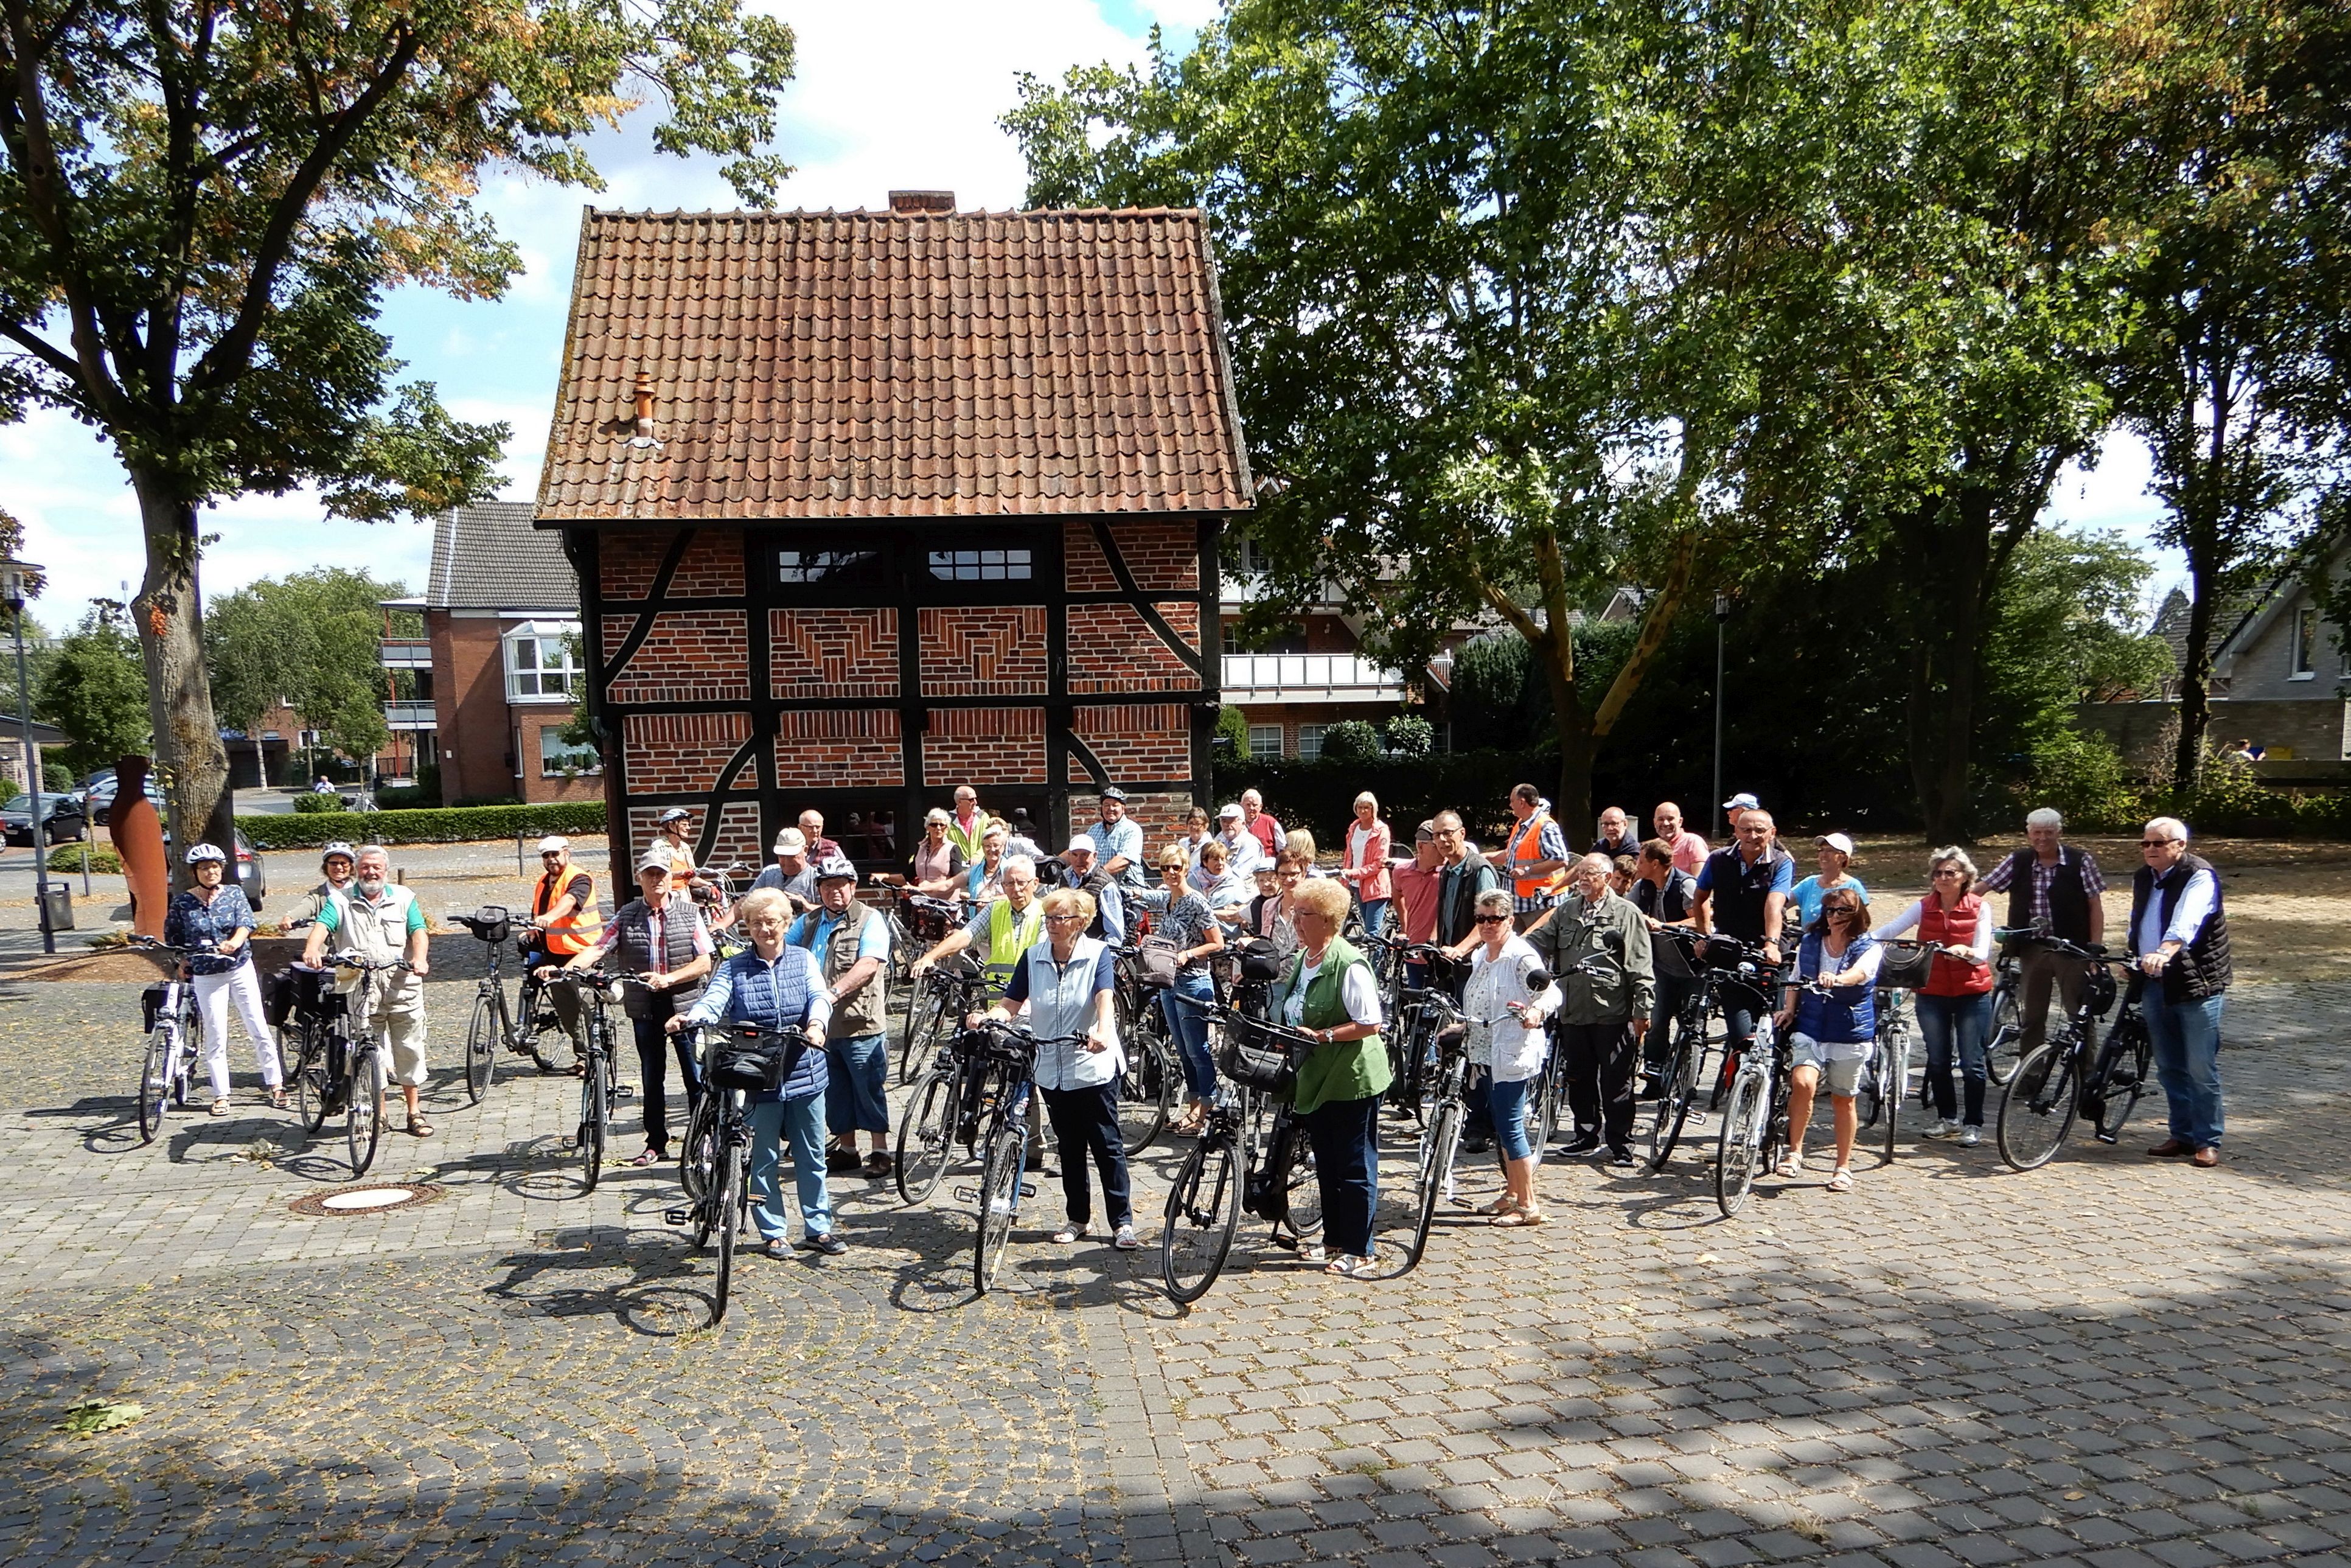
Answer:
(1518, 1217)
(418, 1127)
(220, 1107)
(648, 1158)
(1502, 1205)
(1350, 1268)
(1792, 1167)
(1841, 1180)
(1310, 1252)
(277, 1098)
(1069, 1234)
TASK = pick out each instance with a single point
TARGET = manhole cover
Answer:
(373, 1197)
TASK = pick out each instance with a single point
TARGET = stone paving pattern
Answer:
(2110, 1362)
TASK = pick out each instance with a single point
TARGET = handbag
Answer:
(1255, 1056)
(755, 1060)
(1156, 964)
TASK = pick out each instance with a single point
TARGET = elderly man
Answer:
(1535, 852)
(1243, 851)
(850, 943)
(1001, 929)
(1606, 1012)
(660, 938)
(1735, 806)
(2179, 937)
(1259, 823)
(2056, 888)
(1082, 866)
(791, 875)
(564, 921)
(1615, 837)
(377, 919)
(967, 823)
(1119, 842)
(820, 848)
(1690, 850)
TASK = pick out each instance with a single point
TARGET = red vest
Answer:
(1953, 977)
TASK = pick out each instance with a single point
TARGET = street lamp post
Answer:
(1721, 616)
(14, 575)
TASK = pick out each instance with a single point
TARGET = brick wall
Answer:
(627, 560)
(986, 745)
(972, 650)
(1114, 649)
(1083, 566)
(838, 748)
(712, 567)
(678, 753)
(738, 833)
(692, 656)
(1162, 814)
(1163, 557)
(839, 653)
(469, 702)
(1138, 741)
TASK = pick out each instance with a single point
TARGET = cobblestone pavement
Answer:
(2112, 1361)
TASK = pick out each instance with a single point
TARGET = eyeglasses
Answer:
(1171, 870)
(1947, 871)
(1491, 919)
(1062, 919)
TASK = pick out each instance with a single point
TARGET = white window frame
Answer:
(1270, 732)
(588, 765)
(542, 635)
(1310, 742)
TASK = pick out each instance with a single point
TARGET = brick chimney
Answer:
(922, 201)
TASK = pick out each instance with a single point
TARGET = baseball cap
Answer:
(833, 867)
(553, 843)
(791, 841)
(1742, 801)
(1425, 833)
(1083, 842)
(675, 814)
(1114, 793)
(1838, 842)
(1232, 811)
(656, 859)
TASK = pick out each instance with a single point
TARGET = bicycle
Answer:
(716, 1164)
(361, 1050)
(1243, 1159)
(175, 1033)
(1007, 1059)
(1755, 1116)
(1685, 1062)
(1886, 1072)
(491, 1025)
(534, 1013)
(2063, 1077)
(943, 996)
(600, 990)
(917, 924)
(1146, 1089)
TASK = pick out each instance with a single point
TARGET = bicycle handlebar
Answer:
(347, 959)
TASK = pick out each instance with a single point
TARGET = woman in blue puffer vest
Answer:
(1830, 1035)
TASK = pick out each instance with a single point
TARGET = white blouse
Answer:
(1511, 1045)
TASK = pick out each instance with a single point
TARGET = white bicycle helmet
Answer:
(336, 847)
(199, 854)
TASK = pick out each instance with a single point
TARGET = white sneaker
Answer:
(1970, 1136)
(1940, 1128)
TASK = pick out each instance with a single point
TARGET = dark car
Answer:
(61, 818)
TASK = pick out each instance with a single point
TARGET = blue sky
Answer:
(891, 93)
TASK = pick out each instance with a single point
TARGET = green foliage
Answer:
(2082, 774)
(314, 638)
(1409, 735)
(1497, 699)
(94, 690)
(442, 825)
(103, 860)
(1350, 740)
(407, 796)
(1231, 739)
(58, 776)
(309, 805)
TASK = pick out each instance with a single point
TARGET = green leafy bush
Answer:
(315, 805)
(1410, 735)
(406, 798)
(102, 858)
(440, 825)
(1231, 739)
(1351, 740)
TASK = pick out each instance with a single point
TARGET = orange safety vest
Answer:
(576, 932)
(1530, 886)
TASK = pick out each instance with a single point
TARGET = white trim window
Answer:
(1310, 742)
(560, 759)
(1265, 740)
(2302, 661)
(542, 659)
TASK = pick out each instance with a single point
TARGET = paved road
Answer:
(2111, 1362)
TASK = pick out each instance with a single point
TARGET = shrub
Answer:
(1410, 735)
(468, 801)
(406, 797)
(1231, 739)
(440, 825)
(313, 805)
(58, 776)
(1352, 741)
(2083, 777)
(103, 860)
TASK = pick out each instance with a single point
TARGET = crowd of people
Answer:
(804, 953)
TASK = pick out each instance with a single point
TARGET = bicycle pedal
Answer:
(1027, 1189)
(676, 1216)
(966, 1195)
(2107, 1138)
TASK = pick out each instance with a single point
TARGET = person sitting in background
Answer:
(1244, 852)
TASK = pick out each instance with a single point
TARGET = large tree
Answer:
(202, 205)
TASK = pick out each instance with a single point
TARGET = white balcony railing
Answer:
(409, 716)
(1308, 677)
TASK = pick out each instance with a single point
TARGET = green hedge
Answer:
(1322, 795)
(444, 825)
(319, 805)
(103, 860)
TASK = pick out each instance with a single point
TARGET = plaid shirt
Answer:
(1997, 880)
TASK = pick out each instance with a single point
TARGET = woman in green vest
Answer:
(1328, 990)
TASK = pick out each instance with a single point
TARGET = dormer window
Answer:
(543, 662)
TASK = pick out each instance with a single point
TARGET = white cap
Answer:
(1838, 842)
(656, 858)
(1084, 842)
(553, 843)
(1742, 801)
(791, 841)
(1230, 811)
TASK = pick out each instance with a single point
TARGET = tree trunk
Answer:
(1571, 799)
(169, 617)
(260, 760)
(2195, 679)
(1946, 627)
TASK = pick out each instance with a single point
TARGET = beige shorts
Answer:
(1841, 1078)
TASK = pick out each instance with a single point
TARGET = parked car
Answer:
(250, 875)
(100, 799)
(61, 818)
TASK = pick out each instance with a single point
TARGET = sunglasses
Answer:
(1491, 919)
(2158, 844)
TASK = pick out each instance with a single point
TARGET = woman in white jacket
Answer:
(1507, 1038)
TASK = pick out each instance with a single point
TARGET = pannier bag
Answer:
(151, 1002)
(291, 990)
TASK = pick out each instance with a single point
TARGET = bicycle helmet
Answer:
(675, 814)
(336, 847)
(199, 854)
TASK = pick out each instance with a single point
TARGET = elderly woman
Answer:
(1328, 990)
(1831, 1036)
(215, 919)
(1508, 1040)
(1228, 894)
(1955, 1003)
(1364, 865)
(983, 880)
(1833, 853)
(1188, 926)
(937, 862)
(777, 987)
(1068, 985)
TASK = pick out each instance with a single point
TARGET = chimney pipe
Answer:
(921, 202)
(645, 396)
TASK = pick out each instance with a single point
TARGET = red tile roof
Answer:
(809, 365)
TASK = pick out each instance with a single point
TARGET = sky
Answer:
(890, 94)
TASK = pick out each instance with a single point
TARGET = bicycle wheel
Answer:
(923, 1011)
(1892, 1088)
(2037, 1108)
(313, 1090)
(1305, 1187)
(999, 1198)
(1674, 1104)
(364, 1115)
(1738, 1146)
(1542, 1104)
(727, 1213)
(697, 1158)
(1146, 1090)
(1870, 1095)
(154, 1084)
(1204, 1210)
(594, 1097)
(2007, 1030)
(481, 1048)
(1436, 1151)
(2121, 1079)
(926, 1136)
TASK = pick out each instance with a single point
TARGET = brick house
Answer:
(499, 669)
(870, 504)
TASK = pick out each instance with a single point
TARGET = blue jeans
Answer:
(1374, 914)
(1345, 1135)
(2187, 1040)
(1945, 1021)
(801, 1121)
(853, 1088)
(1506, 1104)
(1188, 1026)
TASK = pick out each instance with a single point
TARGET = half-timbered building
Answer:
(865, 505)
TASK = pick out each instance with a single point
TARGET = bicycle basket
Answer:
(756, 1062)
(1260, 961)
(492, 923)
(1253, 1055)
(1905, 968)
(151, 1002)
